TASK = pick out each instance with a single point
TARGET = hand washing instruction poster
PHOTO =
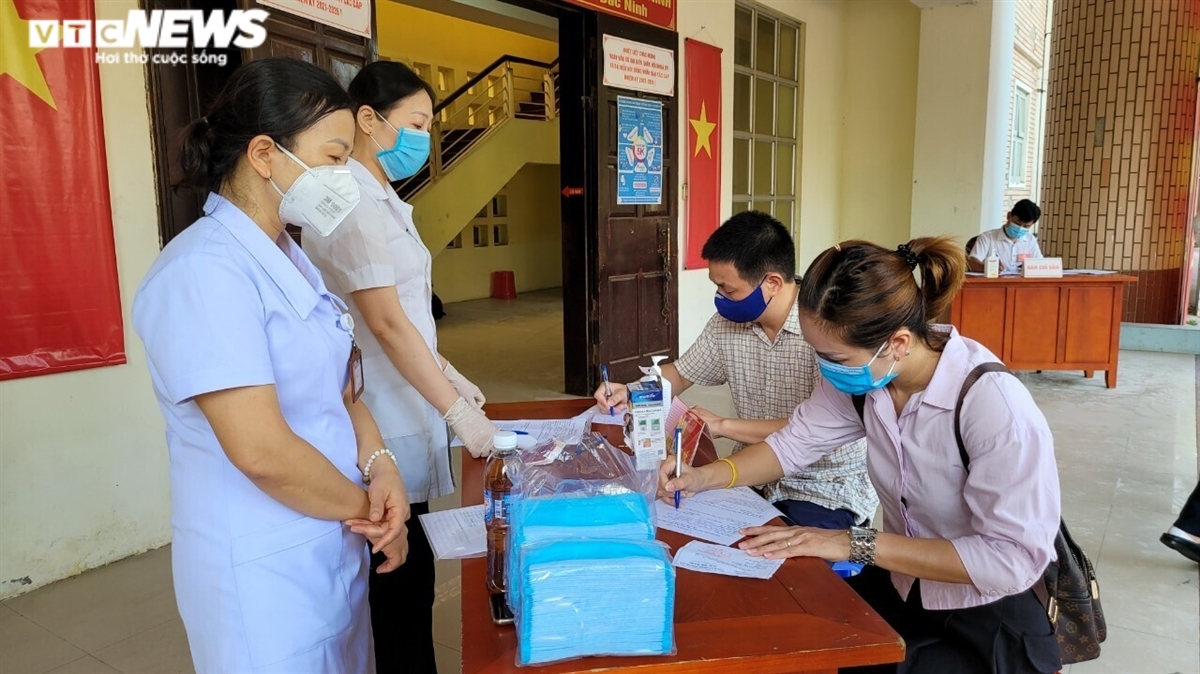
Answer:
(639, 151)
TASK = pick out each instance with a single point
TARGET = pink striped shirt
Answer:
(1002, 517)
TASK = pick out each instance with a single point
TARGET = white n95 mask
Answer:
(320, 198)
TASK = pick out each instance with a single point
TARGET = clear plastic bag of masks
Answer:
(590, 467)
(588, 490)
(568, 608)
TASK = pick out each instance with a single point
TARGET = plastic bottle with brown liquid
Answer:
(497, 498)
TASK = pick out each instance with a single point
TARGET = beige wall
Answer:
(416, 35)
(83, 460)
(534, 250)
(880, 110)
(963, 108)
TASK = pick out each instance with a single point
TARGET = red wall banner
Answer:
(702, 85)
(59, 298)
(659, 13)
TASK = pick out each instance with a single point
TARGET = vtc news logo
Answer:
(156, 29)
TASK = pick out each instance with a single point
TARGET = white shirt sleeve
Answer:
(983, 247)
(356, 255)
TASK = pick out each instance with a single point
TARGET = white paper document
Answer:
(723, 560)
(1087, 272)
(678, 407)
(542, 430)
(716, 515)
(458, 533)
(609, 419)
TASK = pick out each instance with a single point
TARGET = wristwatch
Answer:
(862, 545)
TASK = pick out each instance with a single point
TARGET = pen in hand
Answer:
(607, 388)
(678, 460)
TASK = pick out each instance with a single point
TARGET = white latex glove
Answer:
(472, 427)
(465, 388)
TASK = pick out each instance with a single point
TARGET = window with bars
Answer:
(768, 50)
(1018, 143)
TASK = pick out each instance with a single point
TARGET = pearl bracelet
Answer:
(371, 462)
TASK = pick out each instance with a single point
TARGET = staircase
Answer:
(483, 133)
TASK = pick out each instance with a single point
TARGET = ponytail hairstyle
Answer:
(863, 293)
(278, 97)
(381, 86)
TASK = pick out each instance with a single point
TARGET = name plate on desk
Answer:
(1042, 267)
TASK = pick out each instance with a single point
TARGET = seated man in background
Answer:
(1012, 243)
(754, 344)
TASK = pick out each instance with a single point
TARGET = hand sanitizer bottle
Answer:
(991, 266)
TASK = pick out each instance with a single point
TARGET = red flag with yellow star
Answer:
(60, 301)
(702, 81)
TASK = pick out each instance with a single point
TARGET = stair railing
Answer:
(510, 88)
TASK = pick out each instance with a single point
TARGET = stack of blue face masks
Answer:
(542, 519)
(584, 573)
(594, 597)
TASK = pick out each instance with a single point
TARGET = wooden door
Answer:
(577, 169)
(635, 295)
(338, 52)
(179, 94)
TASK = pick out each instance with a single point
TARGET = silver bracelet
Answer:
(862, 545)
(371, 461)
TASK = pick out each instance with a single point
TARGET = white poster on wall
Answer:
(638, 66)
(352, 16)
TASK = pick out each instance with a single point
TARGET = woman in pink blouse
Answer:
(961, 545)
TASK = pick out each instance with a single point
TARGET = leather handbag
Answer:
(1069, 589)
(1071, 596)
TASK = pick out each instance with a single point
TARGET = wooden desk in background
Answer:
(1068, 323)
(804, 619)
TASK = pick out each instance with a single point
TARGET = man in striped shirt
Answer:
(754, 345)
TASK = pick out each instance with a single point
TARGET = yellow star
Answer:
(18, 60)
(703, 129)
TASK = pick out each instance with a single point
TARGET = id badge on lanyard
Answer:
(354, 365)
(357, 385)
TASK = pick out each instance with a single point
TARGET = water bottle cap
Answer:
(504, 440)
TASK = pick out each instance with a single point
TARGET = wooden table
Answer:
(1068, 323)
(804, 619)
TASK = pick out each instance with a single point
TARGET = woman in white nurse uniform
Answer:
(376, 260)
(250, 358)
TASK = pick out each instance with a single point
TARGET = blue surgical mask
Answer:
(1015, 231)
(855, 381)
(407, 156)
(743, 310)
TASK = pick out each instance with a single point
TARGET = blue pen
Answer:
(678, 460)
(607, 388)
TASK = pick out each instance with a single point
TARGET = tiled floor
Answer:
(512, 349)
(1127, 461)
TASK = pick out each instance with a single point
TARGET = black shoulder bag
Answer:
(1069, 589)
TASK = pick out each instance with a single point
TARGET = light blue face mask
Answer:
(408, 154)
(1015, 231)
(855, 380)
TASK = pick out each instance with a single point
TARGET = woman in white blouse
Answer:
(377, 261)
